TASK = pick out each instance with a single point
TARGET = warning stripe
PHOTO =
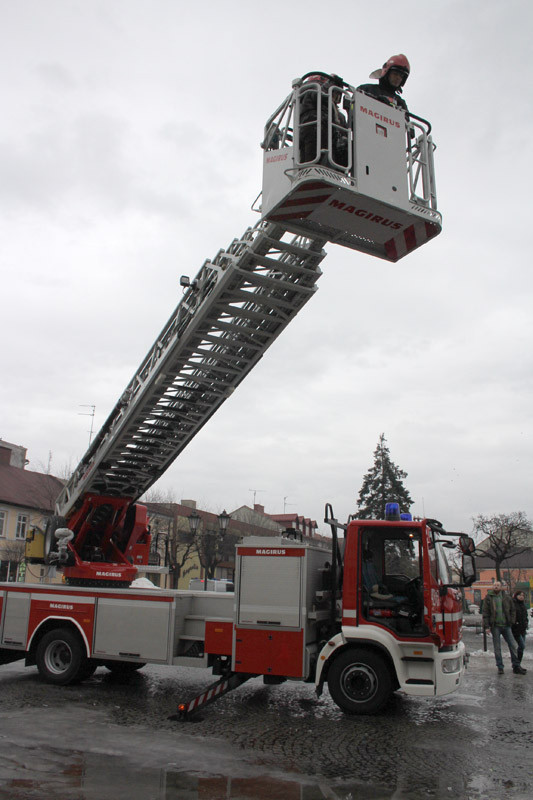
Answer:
(203, 698)
(412, 237)
(300, 201)
(312, 186)
(301, 205)
(390, 249)
(296, 215)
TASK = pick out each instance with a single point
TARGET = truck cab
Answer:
(401, 616)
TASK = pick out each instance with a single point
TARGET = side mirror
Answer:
(466, 544)
(468, 569)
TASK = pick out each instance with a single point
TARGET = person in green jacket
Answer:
(498, 617)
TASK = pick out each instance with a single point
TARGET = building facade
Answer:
(516, 573)
(178, 556)
(26, 499)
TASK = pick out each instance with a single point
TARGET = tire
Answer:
(60, 657)
(123, 667)
(359, 681)
(87, 670)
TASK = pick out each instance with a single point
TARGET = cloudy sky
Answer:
(129, 153)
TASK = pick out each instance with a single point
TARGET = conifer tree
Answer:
(382, 484)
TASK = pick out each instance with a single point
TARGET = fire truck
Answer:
(376, 612)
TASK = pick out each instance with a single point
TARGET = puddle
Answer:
(97, 777)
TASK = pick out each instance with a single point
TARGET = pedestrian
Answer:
(499, 616)
(392, 77)
(521, 624)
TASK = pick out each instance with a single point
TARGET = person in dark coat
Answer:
(499, 616)
(521, 625)
(308, 115)
(392, 77)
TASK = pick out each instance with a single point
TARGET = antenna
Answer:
(255, 492)
(285, 504)
(88, 414)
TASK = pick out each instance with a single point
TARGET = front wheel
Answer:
(359, 681)
(60, 657)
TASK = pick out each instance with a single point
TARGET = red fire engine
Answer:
(380, 610)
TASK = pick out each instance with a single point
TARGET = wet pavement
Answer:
(108, 739)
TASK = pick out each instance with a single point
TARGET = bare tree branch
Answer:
(503, 536)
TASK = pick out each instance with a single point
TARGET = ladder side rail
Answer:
(143, 381)
(420, 166)
(264, 347)
(277, 133)
(152, 389)
(336, 130)
(177, 322)
(218, 397)
(308, 88)
(433, 183)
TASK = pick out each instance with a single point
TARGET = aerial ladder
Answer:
(367, 183)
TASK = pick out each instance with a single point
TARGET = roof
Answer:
(22, 487)
(287, 518)
(522, 559)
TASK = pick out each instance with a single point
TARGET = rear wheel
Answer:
(85, 671)
(60, 657)
(359, 681)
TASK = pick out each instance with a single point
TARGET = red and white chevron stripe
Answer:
(409, 239)
(308, 197)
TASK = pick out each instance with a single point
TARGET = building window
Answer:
(8, 571)
(3, 523)
(22, 526)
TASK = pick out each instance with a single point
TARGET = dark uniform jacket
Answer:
(521, 625)
(308, 113)
(383, 92)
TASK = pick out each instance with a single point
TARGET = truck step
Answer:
(224, 685)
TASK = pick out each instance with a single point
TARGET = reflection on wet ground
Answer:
(102, 777)
(107, 740)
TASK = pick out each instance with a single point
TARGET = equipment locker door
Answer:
(132, 629)
(16, 616)
(270, 589)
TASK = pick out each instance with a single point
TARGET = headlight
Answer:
(451, 664)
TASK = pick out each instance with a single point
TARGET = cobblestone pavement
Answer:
(108, 739)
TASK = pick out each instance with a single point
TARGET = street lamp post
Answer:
(194, 520)
(223, 520)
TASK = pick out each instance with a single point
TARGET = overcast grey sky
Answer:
(129, 153)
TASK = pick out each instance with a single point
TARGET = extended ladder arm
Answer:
(234, 309)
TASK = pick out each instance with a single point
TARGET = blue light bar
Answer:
(406, 517)
(392, 511)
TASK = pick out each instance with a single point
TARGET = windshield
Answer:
(445, 572)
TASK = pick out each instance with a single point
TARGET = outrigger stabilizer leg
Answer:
(224, 685)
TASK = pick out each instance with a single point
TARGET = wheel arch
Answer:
(50, 624)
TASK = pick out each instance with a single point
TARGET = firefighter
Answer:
(392, 77)
(308, 114)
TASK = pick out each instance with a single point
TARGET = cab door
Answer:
(432, 600)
